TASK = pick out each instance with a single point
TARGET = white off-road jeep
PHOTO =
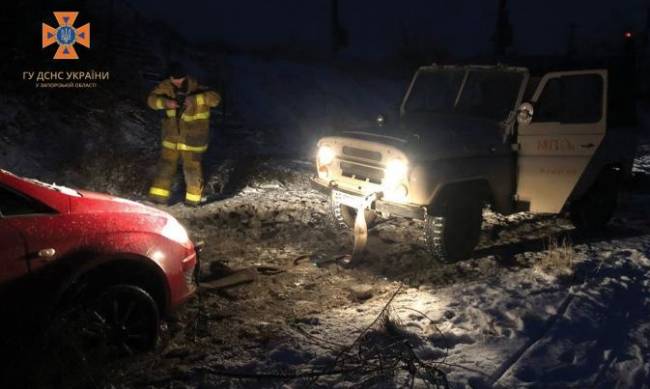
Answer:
(471, 136)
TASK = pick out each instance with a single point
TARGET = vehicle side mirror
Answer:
(525, 113)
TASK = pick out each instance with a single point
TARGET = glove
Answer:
(171, 104)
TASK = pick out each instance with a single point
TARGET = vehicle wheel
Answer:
(130, 316)
(343, 216)
(594, 210)
(452, 232)
(122, 320)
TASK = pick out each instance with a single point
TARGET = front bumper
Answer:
(184, 286)
(410, 211)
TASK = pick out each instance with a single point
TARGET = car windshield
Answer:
(485, 94)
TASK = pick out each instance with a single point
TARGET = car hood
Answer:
(425, 136)
(91, 202)
(393, 136)
(66, 200)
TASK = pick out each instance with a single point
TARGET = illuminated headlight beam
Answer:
(395, 178)
(396, 170)
(325, 155)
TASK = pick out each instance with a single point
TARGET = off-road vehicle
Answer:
(471, 136)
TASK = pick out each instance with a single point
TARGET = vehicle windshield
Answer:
(485, 94)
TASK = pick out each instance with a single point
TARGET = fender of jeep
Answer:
(477, 186)
(492, 177)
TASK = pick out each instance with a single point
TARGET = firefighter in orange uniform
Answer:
(185, 132)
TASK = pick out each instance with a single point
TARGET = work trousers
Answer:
(166, 171)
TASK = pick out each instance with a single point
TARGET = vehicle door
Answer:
(13, 263)
(31, 229)
(568, 125)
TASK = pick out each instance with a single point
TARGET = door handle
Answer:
(47, 254)
(588, 146)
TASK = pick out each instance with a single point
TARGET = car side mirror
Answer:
(525, 113)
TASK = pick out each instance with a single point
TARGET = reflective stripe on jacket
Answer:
(190, 131)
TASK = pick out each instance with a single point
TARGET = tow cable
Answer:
(234, 278)
(201, 322)
(361, 226)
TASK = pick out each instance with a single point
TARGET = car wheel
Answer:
(343, 216)
(594, 210)
(120, 320)
(452, 232)
(129, 318)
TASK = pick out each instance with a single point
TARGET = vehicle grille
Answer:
(360, 153)
(361, 172)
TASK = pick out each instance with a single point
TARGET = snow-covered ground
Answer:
(642, 162)
(526, 328)
(539, 305)
(96, 143)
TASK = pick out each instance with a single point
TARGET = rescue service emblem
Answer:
(66, 35)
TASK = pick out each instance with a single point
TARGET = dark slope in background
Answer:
(278, 100)
(106, 139)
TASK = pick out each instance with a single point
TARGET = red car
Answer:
(61, 248)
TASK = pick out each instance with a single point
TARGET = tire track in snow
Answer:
(622, 287)
(512, 361)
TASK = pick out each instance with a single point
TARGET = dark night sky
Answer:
(463, 26)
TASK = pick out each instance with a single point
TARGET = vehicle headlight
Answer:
(325, 155)
(396, 170)
(173, 230)
(395, 177)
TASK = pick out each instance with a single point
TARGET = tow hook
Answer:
(361, 226)
(198, 248)
(201, 321)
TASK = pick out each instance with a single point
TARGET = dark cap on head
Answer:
(176, 70)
